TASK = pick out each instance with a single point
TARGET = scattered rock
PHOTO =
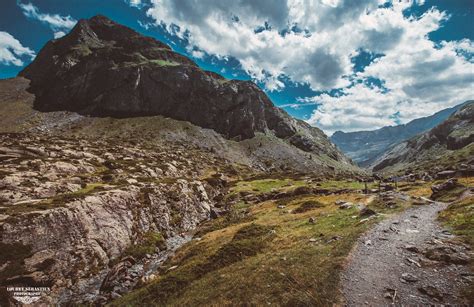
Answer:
(345, 206)
(366, 212)
(407, 277)
(390, 294)
(312, 220)
(414, 262)
(334, 238)
(445, 186)
(412, 248)
(431, 291)
(447, 254)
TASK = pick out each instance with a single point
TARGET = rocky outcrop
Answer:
(76, 207)
(104, 69)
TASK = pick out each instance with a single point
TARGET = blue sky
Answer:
(339, 64)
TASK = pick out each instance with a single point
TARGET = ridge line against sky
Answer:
(339, 65)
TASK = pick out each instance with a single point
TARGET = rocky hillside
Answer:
(104, 69)
(448, 145)
(75, 211)
(114, 148)
(262, 153)
(366, 146)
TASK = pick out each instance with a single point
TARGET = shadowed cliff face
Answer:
(105, 69)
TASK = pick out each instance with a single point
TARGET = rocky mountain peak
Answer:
(104, 69)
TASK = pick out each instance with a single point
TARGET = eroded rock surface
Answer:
(76, 207)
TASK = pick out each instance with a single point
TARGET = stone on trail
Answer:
(407, 277)
(412, 248)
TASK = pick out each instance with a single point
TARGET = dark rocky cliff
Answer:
(105, 69)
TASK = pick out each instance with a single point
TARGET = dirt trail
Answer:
(389, 263)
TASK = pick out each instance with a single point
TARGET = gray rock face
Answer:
(70, 208)
(104, 69)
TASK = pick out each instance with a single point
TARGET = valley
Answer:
(130, 176)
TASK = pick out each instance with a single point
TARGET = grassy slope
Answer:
(459, 217)
(436, 157)
(279, 266)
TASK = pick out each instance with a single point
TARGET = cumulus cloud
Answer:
(135, 3)
(58, 24)
(419, 77)
(314, 42)
(12, 51)
(270, 40)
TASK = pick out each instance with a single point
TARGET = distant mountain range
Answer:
(364, 147)
(449, 145)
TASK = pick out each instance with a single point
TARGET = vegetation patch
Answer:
(247, 242)
(266, 185)
(459, 216)
(276, 259)
(237, 215)
(80, 194)
(307, 206)
(164, 63)
(147, 245)
(450, 195)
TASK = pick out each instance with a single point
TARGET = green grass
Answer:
(342, 184)
(459, 217)
(147, 245)
(51, 203)
(247, 242)
(79, 194)
(260, 254)
(266, 185)
(307, 206)
(264, 258)
(164, 63)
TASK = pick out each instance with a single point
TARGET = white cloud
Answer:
(59, 24)
(420, 77)
(135, 3)
(59, 34)
(11, 50)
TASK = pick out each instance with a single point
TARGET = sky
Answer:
(337, 64)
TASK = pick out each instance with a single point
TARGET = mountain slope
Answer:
(447, 145)
(365, 146)
(104, 69)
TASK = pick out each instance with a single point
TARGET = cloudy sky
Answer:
(338, 64)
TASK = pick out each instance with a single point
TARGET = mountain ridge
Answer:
(366, 146)
(105, 69)
(448, 145)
